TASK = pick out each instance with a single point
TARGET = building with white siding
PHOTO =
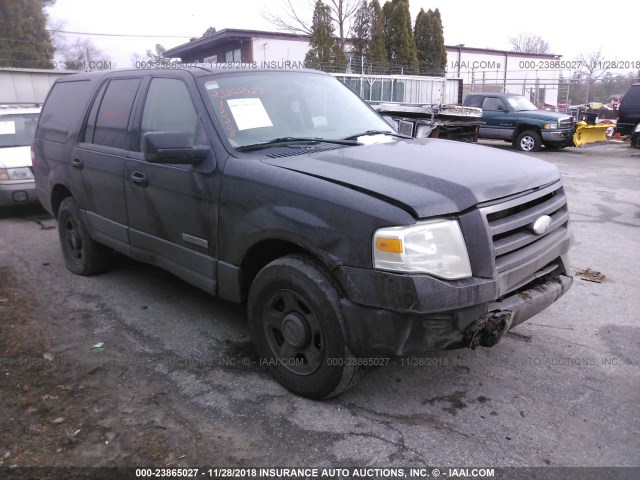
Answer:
(536, 76)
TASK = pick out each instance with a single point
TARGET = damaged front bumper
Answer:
(413, 321)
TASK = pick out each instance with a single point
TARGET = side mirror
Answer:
(172, 148)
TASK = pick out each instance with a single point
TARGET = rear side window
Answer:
(113, 113)
(475, 101)
(493, 104)
(62, 110)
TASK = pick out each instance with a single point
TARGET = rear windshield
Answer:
(18, 129)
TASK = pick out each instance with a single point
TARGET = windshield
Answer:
(520, 104)
(256, 107)
(17, 130)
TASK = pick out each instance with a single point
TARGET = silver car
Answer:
(17, 128)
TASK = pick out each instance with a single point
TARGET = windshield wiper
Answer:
(376, 132)
(286, 140)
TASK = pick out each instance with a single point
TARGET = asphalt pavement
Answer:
(563, 389)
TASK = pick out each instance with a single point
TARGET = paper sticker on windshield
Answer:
(7, 128)
(249, 113)
(212, 85)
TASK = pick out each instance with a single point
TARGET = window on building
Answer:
(232, 56)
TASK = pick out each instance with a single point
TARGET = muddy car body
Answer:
(284, 190)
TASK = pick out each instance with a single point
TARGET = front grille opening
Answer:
(524, 228)
(492, 217)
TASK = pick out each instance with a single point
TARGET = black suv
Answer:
(350, 243)
(628, 123)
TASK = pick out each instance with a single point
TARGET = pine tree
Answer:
(439, 60)
(24, 40)
(432, 56)
(324, 52)
(361, 38)
(401, 45)
(378, 47)
(422, 35)
(209, 32)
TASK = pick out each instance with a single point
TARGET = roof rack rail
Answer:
(19, 104)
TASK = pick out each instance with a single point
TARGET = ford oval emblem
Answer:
(541, 225)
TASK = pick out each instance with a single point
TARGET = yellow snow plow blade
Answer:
(590, 135)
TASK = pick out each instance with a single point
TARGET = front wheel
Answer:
(528, 141)
(82, 255)
(296, 323)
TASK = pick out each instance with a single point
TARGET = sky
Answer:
(570, 27)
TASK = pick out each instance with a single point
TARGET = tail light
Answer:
(34, 164)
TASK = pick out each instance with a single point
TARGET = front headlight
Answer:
(550, 126)
(435, 247)
(23, 173)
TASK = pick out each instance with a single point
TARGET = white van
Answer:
(17, 128)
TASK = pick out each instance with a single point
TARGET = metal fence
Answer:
(404, 88)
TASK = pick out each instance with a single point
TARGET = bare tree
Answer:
(528, 43)
(81, 54)
(156, 55)
(592, 67)
(297, 18)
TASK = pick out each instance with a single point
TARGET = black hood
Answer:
(426, 177)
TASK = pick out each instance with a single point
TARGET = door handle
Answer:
(139, 179)
(77, 163)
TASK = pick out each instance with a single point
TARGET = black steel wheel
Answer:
(82, 255)
(296, 323)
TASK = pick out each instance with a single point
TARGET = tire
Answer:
(635, 140)
(82, 255)
(528, 141)
(296, 322)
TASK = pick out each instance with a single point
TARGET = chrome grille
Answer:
(568, 122)
(511, 222)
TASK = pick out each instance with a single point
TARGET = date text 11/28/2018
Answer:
(305, 473)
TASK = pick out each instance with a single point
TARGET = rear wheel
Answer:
(528, 141)
(82, 255)
(296, 322)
